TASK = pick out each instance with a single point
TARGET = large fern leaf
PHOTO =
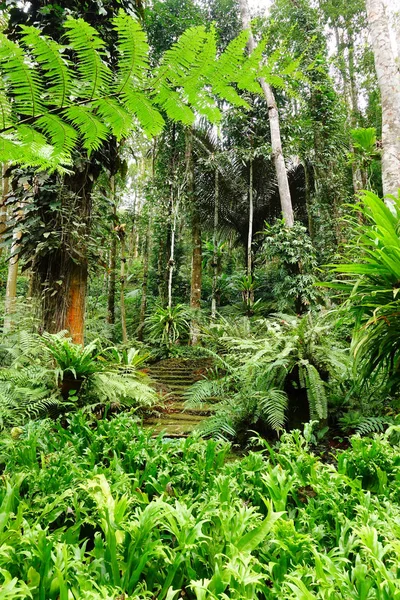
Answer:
(88, 47)
(23, 82)
(133, 51)
(51, 57)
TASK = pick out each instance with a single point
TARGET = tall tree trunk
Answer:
(122, 237)
(113, 259)
(133, 235)
(171, 261)
(61, 274)
(215, 247)
(387, 70)
(173, 212)
(250, 292)
(3, 208)
(276, 141)
(195, 286)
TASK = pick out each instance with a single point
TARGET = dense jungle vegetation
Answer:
(199, 268)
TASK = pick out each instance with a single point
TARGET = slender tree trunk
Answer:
(122, 237)
(195, 287)
(161, 259)
(171, 261)
(113, 260)
(276, 142)
(5, 185)
(387, 70)
(173, 211)
(250, 292)
(133, 245)
(215, 247)
(309, 203)
(146, 259)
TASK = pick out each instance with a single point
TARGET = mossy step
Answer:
(175, 374)
(172, 417)
(172, 377)
(201, 412)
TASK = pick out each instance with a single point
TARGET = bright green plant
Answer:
(168, 325)
(371, 286)
(50, 374)
(103, 510)
(290, 252)
(52, 99)
(259, 372)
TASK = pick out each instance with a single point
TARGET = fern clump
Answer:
(266, 371)
(49, 375)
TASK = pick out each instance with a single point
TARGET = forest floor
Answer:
(172, 377)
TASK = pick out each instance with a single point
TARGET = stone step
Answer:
(178, 378)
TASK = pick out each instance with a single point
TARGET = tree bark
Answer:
(276, 141)
(215, 247)
(75, 313)
(387, 70)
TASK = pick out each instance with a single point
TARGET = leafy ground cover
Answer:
(102, 510)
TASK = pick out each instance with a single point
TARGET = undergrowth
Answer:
(102, 510)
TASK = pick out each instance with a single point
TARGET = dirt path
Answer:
(172, 377)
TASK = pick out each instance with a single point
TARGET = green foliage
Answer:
(261, 367)
(372, 291)
(103, 510)
(168, 325)
(53, 95)
(50, 375)
(291, 253)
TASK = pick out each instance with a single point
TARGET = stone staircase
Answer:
(171, 378)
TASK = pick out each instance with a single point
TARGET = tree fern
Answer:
(45, 94)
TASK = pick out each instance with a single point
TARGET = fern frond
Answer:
(49, 56)
(144, 110)
(368, 425)
(6, 119)
(116, 118)
(88, 47)
(92, 130)
(133, 51)
(113, 386)
(273, 406)
(311, 381)
(23, 82)
(219, 427)
(203, 390)
(61, 135)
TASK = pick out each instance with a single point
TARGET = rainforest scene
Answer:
(200, 277)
